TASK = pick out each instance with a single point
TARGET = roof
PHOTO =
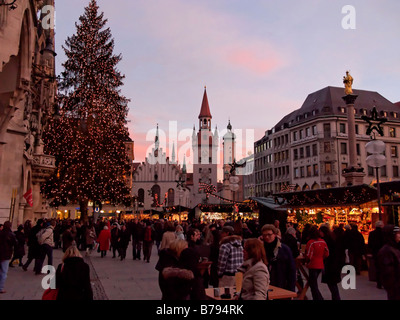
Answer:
(267, 202)
(205, 107)
(332, 197)
(328, 101)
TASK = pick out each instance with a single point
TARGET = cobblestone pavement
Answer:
(130, 279)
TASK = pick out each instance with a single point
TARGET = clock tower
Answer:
(205, 154)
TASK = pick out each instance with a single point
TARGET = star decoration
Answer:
(180, 183)
(374, 122)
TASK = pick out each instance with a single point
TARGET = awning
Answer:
(332, 197)
(268, 202)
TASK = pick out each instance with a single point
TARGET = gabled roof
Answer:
(205, 107)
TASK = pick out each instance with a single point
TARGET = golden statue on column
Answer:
(348, 83)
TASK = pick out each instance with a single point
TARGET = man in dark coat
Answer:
(375, 243)
(19, 249)
(355, 243)
(123, 241)
(7, 243)
(281, 264)
(137, 230)
(34, 251)
(389, 262)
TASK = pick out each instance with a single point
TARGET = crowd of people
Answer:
(193, 256)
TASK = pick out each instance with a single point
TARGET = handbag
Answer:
(50, 294)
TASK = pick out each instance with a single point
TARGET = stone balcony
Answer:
(43, 166)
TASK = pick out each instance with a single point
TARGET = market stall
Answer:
(209, 212)
(353, 204)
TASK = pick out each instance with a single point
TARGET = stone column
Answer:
(353, 173)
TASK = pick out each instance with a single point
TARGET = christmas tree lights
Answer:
(88, 138)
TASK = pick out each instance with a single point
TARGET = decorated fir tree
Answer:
(88, 137)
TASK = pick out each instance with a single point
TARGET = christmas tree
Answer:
(89, 134)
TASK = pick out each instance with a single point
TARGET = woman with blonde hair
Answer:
(73, 277)
(255, 271)
(169, 258)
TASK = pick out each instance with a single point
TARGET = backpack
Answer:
(147, 234)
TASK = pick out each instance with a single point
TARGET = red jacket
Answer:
(316, 251)
(104, 240)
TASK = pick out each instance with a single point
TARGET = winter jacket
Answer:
(46, 236)
(90, 236)
(282, 266)
(73, 280)
(255, 280)
(178, 283)
(104, 240)
(19, 249)
(389, 269)
(316, 251)
(333, 263)
(230, 255)
(7, 243)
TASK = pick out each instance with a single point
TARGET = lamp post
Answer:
(375, 148)
(376, 160)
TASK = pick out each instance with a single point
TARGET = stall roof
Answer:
(342, 196)
(389, 187)
(267, 202)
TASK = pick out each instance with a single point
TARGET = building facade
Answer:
(159, 183)
(27, 100)
(309, 148)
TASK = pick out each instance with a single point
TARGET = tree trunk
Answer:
(84, 210)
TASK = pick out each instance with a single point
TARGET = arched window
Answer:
(156, 192)
(315, 186)
(141, 195)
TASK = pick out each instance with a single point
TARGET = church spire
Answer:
(205, 107)
(173, 153)
(205, 114)
(157, 142)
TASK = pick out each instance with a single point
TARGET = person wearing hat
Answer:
(7, 242)
(389, 262)
(230, 256)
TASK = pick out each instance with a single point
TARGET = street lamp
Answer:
(375, 148)
(376, 160)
